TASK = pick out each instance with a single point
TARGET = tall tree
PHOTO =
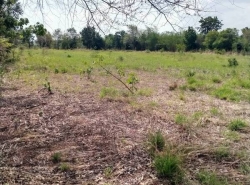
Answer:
(91, 39)
(57, 37)
(190, 37)
(226, 39)
(210, 24)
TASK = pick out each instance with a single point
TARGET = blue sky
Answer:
(233, 13)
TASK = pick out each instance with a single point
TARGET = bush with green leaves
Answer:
(232, 62)
(132, 81)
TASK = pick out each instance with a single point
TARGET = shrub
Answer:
(168, 166)
(56, 71)
(232, 62)
(190, 73)
(237, 125)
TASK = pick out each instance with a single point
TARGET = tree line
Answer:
(15, 31)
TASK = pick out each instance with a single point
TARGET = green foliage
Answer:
(156, 142)
(232, 62)
(208, 178)
(132, 81)
(209, 24)
(237, 125)
(47, 86)
(168, 166)
(222, 153)
(190, 39)
(226, 93)
(56, 157)
(190, 73)
(88, 72)
(56, 71)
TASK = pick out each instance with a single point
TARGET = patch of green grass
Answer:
(232, 135)
(237, 125)
(108, 92)
(64, 167)
(108, 172)
(56, 157)
(222, 153)
(216, 80)
(245, 168)
(210, 178)
(215, 112)
(144, 92)
(169, 166)
(226, 93)
(181, 119)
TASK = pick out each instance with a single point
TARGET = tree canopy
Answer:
(210, 24)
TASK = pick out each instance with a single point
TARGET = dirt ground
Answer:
(103, 141)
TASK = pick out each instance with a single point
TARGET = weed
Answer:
(180, 119)
(108, 92)
(156, 142)
(237, 125)
(56, 71)
(190, 73)
(120, 58)
(56, 157)
(88, 71)
(222, 153)
(216, 80)
(168, 166)
(69, 56)
(147, 51)
(215, 112)
(182, 97)
(232, 62)
(197, 115)
(245, 168)
(108, 172)
(64, 71)
(47, 86)
(209, 178)
(145, 92)
(64, 167)
(232, 135)
(132, 81)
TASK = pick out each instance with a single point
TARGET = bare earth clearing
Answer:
(103, 140)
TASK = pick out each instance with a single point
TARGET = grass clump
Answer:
(168, 166)
(108, 92)
(225, 93)
(156, 142)
(209, 178)
(237, 125)
(56, 157)
(180, 119)
(222, 153)
(64, 167)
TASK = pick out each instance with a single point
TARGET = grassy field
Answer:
(206, 72)
(187, 122)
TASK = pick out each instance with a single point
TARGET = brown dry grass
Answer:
(94, 134)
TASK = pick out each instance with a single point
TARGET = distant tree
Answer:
(109, 41)
(73, 37)
(28, 35)
(190, 37)
(45, 40)
(245, 37)
(209, 24)
(210, 39)
(226, 39)
(152, 38)
(57, 37)
(91, 39)
(170, 40)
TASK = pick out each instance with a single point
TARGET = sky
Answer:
(232, 13)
